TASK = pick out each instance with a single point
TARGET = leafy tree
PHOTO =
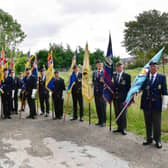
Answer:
(147, 34)
(11, 33)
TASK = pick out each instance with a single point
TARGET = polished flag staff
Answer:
(50, 77)
(138, 82)
(71, 82)
(87, 87)
(108, 74)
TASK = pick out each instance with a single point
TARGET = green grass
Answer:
(135, 118)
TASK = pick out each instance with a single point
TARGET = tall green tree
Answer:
(11, 33)
(147, 34)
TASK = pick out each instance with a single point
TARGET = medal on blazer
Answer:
(123, 82)
(147, 87)
(159, 86)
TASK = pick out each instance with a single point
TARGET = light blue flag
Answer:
(139, 80)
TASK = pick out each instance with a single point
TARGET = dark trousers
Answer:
(32, 106)
(7, 104)
(100, 108)
(44, 99)
(15, 103)
(77, 98)
(58, 106)
(153, 122)
(122, 121)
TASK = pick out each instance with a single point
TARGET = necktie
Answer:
(98, 74)
(152, 77)
(118, 78)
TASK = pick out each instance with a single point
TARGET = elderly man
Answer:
(151, 102)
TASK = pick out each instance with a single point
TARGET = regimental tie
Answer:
(98, 74)
(151, 81)
(118, 78)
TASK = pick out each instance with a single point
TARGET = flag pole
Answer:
(110, 116)
(89, 115)
(52, 107)
(22, 103)
(66, 107)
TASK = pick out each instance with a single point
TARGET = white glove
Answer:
(19, 90)
(164, 102)
(13, 92)
(63, 95)
(50, 94)
(33, 93)
(1, 91)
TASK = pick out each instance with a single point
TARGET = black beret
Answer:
(5, 69)
(153, 63)
(75, 66)
(98, 61)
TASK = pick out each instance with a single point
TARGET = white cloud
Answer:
(76, 21)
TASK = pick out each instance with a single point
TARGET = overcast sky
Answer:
(74, 22)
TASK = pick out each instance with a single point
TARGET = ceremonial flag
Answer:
(11, 66)
(73, 61)
(49, 73)
(108, 73)
(137, 84)
(1, 66)
(34, 67)
(87, 89)
(5, 62)
(29, 58)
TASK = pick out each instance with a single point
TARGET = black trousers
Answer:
(7, 104)
(122, 121)
(77, 98)
(15, 103)
(100, 108)
(44, 102)
(153, 124)
(32, 106)
(58, 106)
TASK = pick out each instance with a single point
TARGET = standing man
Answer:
(16, 88)
(122, 82)
(77, 94)
(151, 102)
(8, 93)
(59, 87)
(43, 94)
(30, 92)
(98, 94)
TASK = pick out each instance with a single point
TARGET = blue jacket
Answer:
(152, 93)
(98, 85)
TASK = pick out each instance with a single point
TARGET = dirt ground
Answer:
(51, 143)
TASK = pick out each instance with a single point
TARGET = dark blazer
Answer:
(42, 87)
(98, 84)
(152, 93)
(8, 85)
(122, 88)
(30, 84)
(59, 87)
(77, 88)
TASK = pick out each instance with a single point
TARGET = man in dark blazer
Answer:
(7, 91)
(151, 102)
(122, 82)
(43, 94)
(98, 94)
(77, 94)
(30, 92)
(57, 94)
(16, 88)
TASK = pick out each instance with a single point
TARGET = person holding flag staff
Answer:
(122, 83)
(98, 94)
(77, 93)
(43, 94)
(7, 94)
(30, 92)
(57, 94)
(16, 88)
(153, 89)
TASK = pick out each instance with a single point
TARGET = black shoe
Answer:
(103, 125)
(117, 130)
(9, 117)
(147, 142)
(28, 117)
(124, 132)
(41, 113)
(46, 115)
(98, 124)
(158, 145)
(81, 119)
(33, 117)
(73, 119)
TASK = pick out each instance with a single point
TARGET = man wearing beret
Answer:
(98, 94)
(7, 91)
(30, 92)
(43, 94)
(59, 87)
(153, 89)
(77, 94)
(122, 82)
